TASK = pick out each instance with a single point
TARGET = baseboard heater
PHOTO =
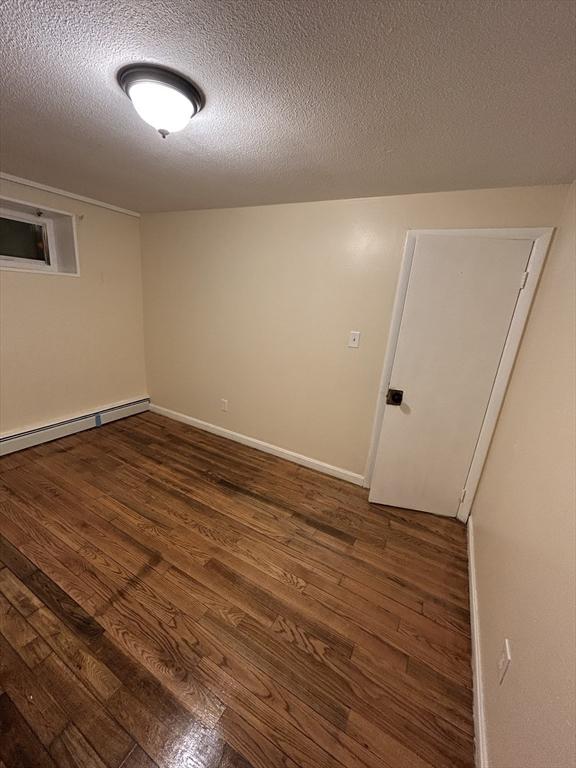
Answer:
(31, 437)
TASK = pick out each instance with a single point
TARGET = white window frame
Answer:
(20, 262)
(59, 224)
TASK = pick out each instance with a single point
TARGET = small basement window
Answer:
(36, 239)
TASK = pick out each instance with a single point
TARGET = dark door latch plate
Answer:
(394, 397)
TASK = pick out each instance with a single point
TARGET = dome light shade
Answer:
(162, 98)
(161, 105)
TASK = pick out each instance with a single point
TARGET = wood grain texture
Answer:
(169, 598)
(19, 745)
(20, 635)
(90, 716)
(72, 750)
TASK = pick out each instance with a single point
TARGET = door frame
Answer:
(541, 237)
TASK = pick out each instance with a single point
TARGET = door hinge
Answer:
(462, 495)
(524, 280)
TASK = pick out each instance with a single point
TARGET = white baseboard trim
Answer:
(252, 442)
(47, 432)
(481, 747)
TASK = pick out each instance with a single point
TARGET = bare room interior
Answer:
(288, 384)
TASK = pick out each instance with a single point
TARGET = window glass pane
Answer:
(23, 240)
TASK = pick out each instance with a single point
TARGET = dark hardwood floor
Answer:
(169, 598)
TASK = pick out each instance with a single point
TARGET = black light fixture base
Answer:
(137, 73)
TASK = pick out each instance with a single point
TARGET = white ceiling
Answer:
(306, 99)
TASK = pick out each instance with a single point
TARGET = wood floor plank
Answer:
(452, 617)
(141, 634)
(42, 497)
(143, 685)
(126, 564)
(97, 678)
(38, 707)
(421, 684)
(380, 743)
(21, 636)
(250, 742)
(71, 750)
(292, 725)
(19, 745)
(63, 604)
(438, 580)
(183, 587)
(276, 728)
(229, 671)
(172, 661)
(107, 737)
(281, 600)
(314, 608)
(321, 685)
(305, 640)
(139, 759)
(456, 666)
(168, 597)
(222, 644)
(338, 680)
(232, 759)
(14, 559)
(18, 594)
(51, 557)
(194, 745)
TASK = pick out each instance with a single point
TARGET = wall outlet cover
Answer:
(354, 339)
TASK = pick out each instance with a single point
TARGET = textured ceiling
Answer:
(306, 99)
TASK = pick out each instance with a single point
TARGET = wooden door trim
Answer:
(541, 237)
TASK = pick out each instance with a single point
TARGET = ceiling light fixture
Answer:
(162, 98)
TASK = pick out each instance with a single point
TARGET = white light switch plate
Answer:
(354, 339)
(504, 661)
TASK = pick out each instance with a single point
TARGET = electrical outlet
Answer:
(223, 405)
(504, 661)
(354, 339)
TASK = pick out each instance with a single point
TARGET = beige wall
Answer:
(525, 534)
(255, 304)
(70, 345)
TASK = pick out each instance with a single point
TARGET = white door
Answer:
(458, 307)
